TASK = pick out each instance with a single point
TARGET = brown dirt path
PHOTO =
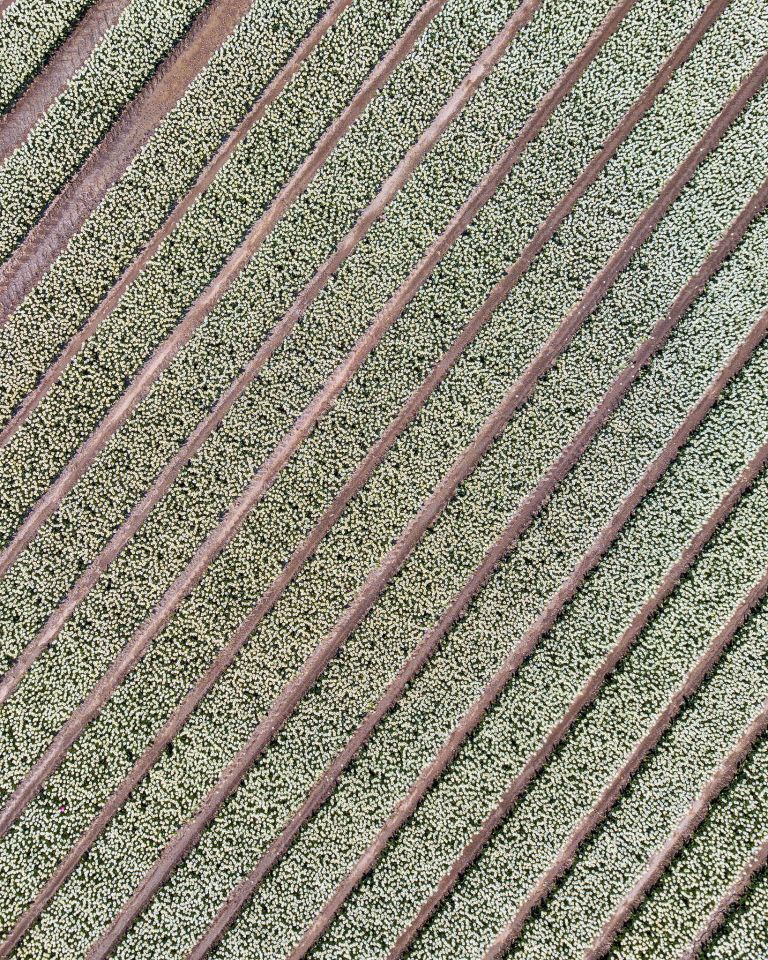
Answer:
(731, 898)
(587, 694)
(54, 77)
(315, 664)
(610, 795)
(64, 216)
(698, 811)
(271, 92)
(532, 636)
(168, 475)
(142, 382)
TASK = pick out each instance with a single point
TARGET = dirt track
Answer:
(56, 75)
(86, 189)
(590, 690)
(164, 481)
(206, 178)
(712, 789)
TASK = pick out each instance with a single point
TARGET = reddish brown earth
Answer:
(283, 706)
(547, 619)
(71, 208)
(205, 179)
(587, 694)
(56, 75)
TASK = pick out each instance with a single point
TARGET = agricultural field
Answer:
(384, 479)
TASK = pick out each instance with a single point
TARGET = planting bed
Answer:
(383, 479)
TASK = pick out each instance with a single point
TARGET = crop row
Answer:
(745, 931)
(424, 719)
(120, 65)
(30, 31)
(189, 741)
(243, 442)
(285, 262)
(666, 924)
(64, 660)
(139, 202)
(673, 775)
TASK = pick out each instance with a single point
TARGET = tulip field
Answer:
(384, 479)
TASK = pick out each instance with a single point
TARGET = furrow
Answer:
(29, 38)
(730, 899)
(261, 482)
(687, 826)
(159, 361)
(391, 186)
(522, 518)
(709, 875)
(744, 932)
(608, 798)
(282, 707)
(204, 180)
(15, 125)
(69, 210)
(590, 690)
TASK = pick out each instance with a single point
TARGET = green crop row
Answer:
(674, 774)
(190, 750)
(30, 31)
(81, 116)
(153, 184)
(283, 265)
(744, 934)
(676, 909)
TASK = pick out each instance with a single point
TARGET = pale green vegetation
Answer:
(30, 31)
(654, 538)
(81, 116)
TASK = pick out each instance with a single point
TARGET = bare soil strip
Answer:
(730, 899)
(53, 79)
(64, 216)
(325, 786)
(204, 429)
(283, 706)
(524, 648)
(142, 382)
(354, 484)
(610, 795)
(684, 830)
(205, 179)
(585, 696)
